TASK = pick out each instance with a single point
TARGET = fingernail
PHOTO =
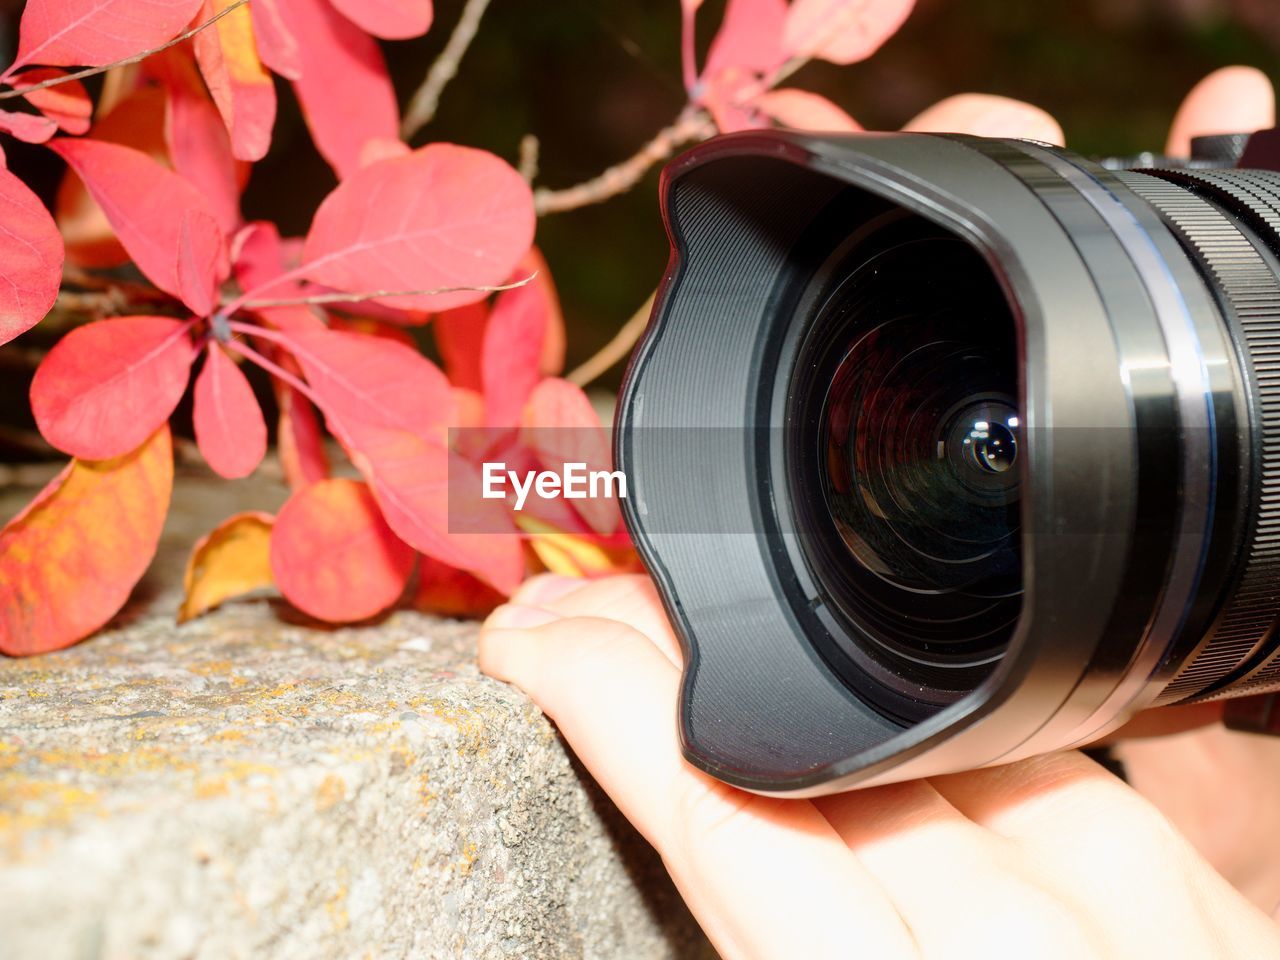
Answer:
(547, 588)
(515, 616)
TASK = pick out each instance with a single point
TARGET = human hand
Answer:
(1048, 857)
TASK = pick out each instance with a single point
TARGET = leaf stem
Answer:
(277, 371)
(426, 99)
(7, 76)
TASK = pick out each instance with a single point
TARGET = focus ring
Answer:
(1249, 292)
(1254, 197)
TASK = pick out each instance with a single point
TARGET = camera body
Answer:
(946, 451)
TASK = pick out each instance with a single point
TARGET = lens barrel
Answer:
(988, 449)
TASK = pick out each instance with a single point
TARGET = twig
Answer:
(28, 474)
(616, 349)
(94, 71)
(105, 303)
(528, 165)
(423, 104)
(339, 297)
(28, 441)
(693, 124)
(16, 356)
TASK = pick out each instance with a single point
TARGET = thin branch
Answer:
(94, 71)
(422, 106)
(616, 349)
(339, 297)
(528, 164)
(693, 124)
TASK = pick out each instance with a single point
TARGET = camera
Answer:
(947, 451)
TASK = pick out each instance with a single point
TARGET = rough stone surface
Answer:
(254, 785)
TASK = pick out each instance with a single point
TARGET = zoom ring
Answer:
(1249, 292)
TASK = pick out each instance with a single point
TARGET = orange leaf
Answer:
(334, 557)
(231, 560)
(802, 110)
(842, 31)
(69, 561)
(299, 442)
(450, 592)
(241, 86)
(575, 555)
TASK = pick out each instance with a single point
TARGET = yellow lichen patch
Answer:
(336, 905)
(332, 791)
(112, 764)
(470, 855)
(426, 796)
(232, 775)
(29, 805)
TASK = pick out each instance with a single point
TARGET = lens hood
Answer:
(1137, 454)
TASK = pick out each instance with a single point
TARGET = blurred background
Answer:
(594, 81)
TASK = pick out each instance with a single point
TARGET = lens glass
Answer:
(908, 458)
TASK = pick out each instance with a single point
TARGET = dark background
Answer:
(595, 81)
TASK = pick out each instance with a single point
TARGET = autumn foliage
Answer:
(439, 235)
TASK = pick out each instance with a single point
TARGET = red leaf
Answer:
(29, 127)
(459, 337)
(334, 557)
(136, 121)
(842, 31)
(144, 201)
(388, 19)
(459, 333)
(70, 559)
(553, 338)
(67, 104)
(373, 380)
(299, 442)
(30, 258)
(198, 143)
(344, 115)
(382, 149)
(448, 592)
(802, 110)
(277, 45)
(749, 39)
(443, 216)
(512, 350)
(240, 85)
(202, 261)
(107, 386)
(258, 257)
(562, 427)
(430, 496)
(93, 33)
(228, 421)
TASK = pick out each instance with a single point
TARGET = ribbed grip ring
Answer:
(1249, 294)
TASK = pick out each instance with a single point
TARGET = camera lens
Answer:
(994, 449)
(904, 452)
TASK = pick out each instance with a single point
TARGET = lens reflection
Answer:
(910, 460)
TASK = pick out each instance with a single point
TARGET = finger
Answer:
(771, 874)
(1167, 721)
(1102, 846)
(1230, 100)
(630, 599)
(952, 880)
(985, 115)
